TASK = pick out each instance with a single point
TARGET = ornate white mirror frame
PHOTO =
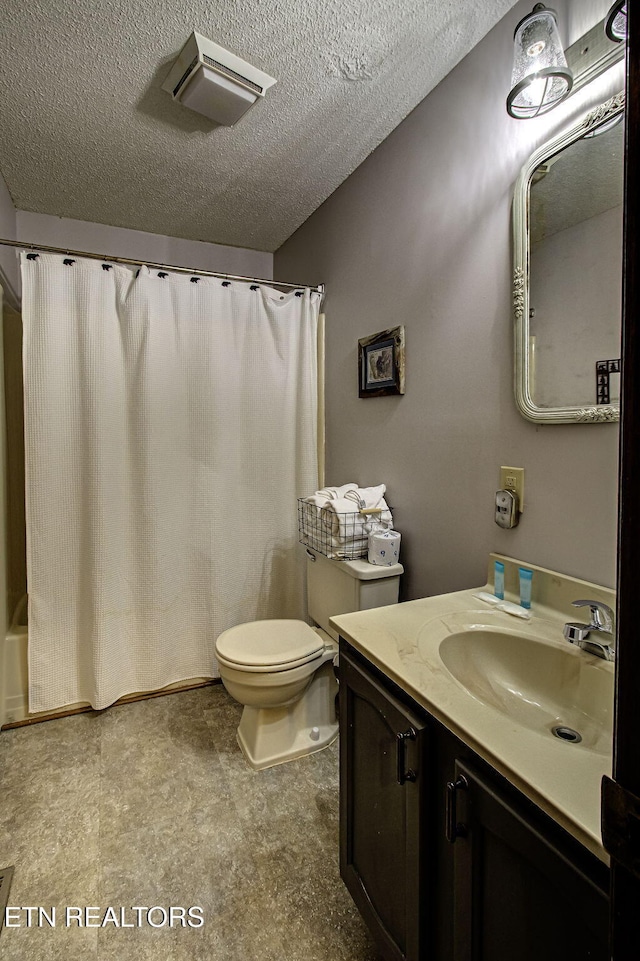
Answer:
(521, 274)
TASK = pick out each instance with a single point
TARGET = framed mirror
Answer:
(567, 221)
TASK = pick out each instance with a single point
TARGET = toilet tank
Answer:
(339, 587)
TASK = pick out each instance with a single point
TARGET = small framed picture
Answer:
(381, 363)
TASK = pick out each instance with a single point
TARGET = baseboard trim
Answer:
(127, 699)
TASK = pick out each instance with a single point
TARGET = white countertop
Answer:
(402, 640)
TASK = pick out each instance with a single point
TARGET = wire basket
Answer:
(340, 536)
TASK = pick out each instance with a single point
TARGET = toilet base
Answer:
(274, 735)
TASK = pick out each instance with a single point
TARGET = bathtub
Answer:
(15, 668)
(14, 708)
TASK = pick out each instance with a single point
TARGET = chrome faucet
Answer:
(601, 624)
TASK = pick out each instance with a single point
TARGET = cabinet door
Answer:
(382, 777)
(516, 895)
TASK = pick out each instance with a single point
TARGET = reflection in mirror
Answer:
(576, 269)
(568, 273)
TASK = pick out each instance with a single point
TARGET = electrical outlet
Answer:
(512, 478)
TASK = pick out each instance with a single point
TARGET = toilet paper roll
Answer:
(384, 548)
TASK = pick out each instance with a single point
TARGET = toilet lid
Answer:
(263, 644)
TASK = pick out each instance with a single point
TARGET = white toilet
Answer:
(282, 670)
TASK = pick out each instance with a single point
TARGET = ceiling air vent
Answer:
(212, 81)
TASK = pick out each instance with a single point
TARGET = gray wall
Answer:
(51, 231)
(576, 271)
(420, 235)
(140, 245)
(9, 273)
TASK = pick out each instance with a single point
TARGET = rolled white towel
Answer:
(318, 500)
(334, 547)
(313, 526)
(354, 497)
(344, 521)
(372, 496)
(349, 552)
(335, 493)
(322, 497)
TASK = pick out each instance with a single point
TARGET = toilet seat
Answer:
(269, 646)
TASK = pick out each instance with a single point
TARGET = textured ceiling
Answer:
(86, 131)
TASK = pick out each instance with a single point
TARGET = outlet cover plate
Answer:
(512, 478)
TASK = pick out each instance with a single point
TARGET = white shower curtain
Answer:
(170, 424)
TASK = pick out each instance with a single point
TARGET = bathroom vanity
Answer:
(468, 830)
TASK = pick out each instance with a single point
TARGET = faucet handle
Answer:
(601, 615)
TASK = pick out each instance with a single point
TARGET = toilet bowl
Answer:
(282, 671)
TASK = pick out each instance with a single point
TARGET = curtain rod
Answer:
(145, 263)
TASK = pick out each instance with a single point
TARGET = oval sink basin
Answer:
(536, 684)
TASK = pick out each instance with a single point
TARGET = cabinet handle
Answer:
(401, 739)
(454, 830)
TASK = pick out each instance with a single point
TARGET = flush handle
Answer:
(401, 740)
(454, 830)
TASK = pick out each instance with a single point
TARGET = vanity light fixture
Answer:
(540, 78)
(616, 23)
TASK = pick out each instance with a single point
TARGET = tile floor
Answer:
(152, 804)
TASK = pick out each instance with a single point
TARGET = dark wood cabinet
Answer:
(382, 776)
(444, 858)
(516, 894)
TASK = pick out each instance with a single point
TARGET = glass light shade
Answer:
(616, 24)
(540, 78)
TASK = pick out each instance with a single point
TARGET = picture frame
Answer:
(381, 363)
